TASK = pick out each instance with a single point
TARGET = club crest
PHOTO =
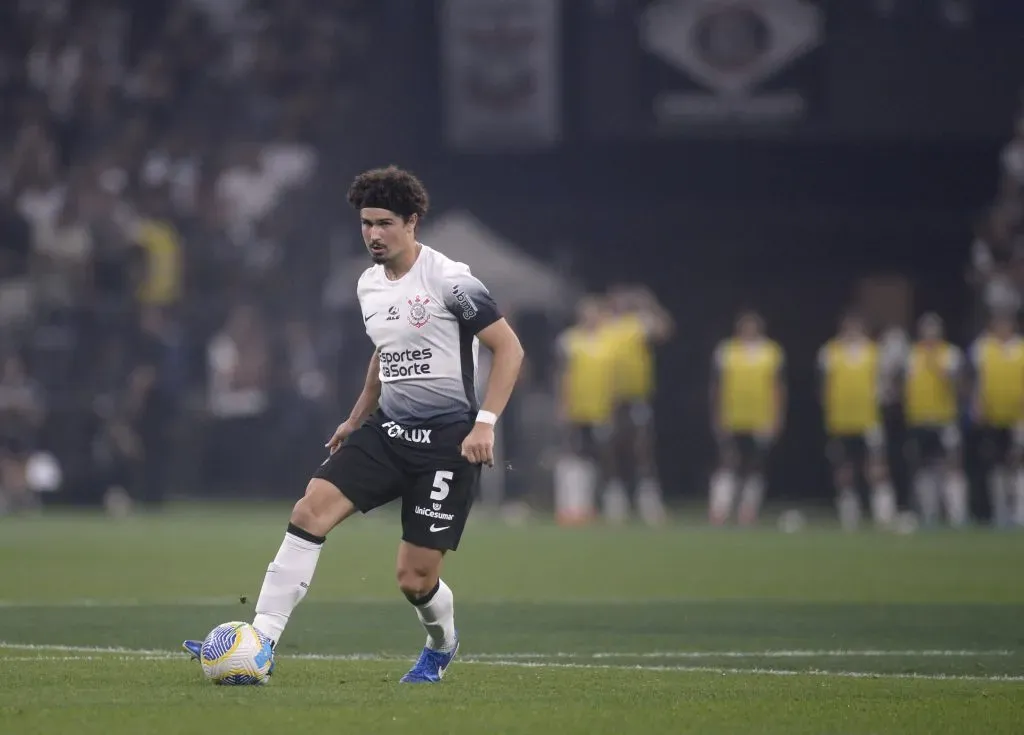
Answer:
(418, 314)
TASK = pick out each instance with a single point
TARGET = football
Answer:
(236, 654)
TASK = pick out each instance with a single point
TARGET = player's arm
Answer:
(369, 398)
(475, 309)
(657, 321)
(365, 405)
(822, 374)
(780, 395)
(507, 358)
(715, 390)
(972, 381)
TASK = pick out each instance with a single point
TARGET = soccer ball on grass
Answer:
(236, 654)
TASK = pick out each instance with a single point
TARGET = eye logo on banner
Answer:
(731, 48)
(500, 71)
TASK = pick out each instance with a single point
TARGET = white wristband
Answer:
(486, 417)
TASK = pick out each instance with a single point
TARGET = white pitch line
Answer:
(835, 653)
(753, 671)
(771, 653)
(720, 670)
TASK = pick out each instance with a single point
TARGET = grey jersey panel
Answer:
(425, 327)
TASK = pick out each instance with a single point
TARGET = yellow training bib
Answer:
(1000, 367)
(589, 376)
(634, 359)
(851, 387)
(748, 374)
(929, 388)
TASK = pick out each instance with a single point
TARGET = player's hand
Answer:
(478, 446)
(344, 430)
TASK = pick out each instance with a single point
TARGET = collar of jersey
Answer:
(415, 265)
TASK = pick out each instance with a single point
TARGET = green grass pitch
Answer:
(597, 630)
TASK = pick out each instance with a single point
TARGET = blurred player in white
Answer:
(851, 393)
(748, 400)
(997, 357)
(932, 377)
(416, 432)
(637, 325)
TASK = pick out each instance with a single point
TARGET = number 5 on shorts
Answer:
(441, 478)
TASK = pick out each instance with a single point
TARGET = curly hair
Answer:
(390, 188)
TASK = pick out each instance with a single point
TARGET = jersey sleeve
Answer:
(976, 354)
(954, 361)
(718, 360)
(780, 361)
(468, 299)
(823, 359)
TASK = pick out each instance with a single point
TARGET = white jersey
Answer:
(425, 326)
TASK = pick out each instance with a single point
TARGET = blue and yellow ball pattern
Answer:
(236, 654)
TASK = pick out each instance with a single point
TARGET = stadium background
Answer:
(225, 133)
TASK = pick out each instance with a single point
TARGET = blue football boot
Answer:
(194, 649)
(431, 665)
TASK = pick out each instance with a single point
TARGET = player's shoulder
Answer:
(438, 266)
(370, 278)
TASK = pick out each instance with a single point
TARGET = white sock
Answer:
(999, 491)
(438, 617)
(926, 491)
(955, 491)
(574, 490)
(723, 493)
(751, 497)
(649, 502)
(848, 505)
(616, 504)
(287, 581)
(883, 503)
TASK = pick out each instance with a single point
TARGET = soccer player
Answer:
(998, 360)
(931, 380)
(748, 399)
(585, 394)
(416, 432)
(848, 364)
(639, 322)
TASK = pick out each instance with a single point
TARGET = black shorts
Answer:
(855, 448)
(382, 461)
(590, 441)
(996, 446)
(747, 450)
(931, 443)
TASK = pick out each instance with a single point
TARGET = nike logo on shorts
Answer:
(368, 318)
(435, 529)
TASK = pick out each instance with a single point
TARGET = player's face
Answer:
(1003, 327)
(591, 313)
(852, 328)
(931, 330)
(386, 234)
(748, 327)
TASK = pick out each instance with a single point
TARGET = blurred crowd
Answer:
(997, 253)
(155, 160)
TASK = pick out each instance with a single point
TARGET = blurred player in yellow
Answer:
(998, 360)
(748, 398)
(856, 442)
(638, 323)
(931, 380)
(586, 403)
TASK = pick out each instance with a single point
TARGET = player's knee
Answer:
(321, 508)
(877, 471)
(416, 580)
(843, 475)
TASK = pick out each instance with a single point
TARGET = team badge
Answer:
(418, 314)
